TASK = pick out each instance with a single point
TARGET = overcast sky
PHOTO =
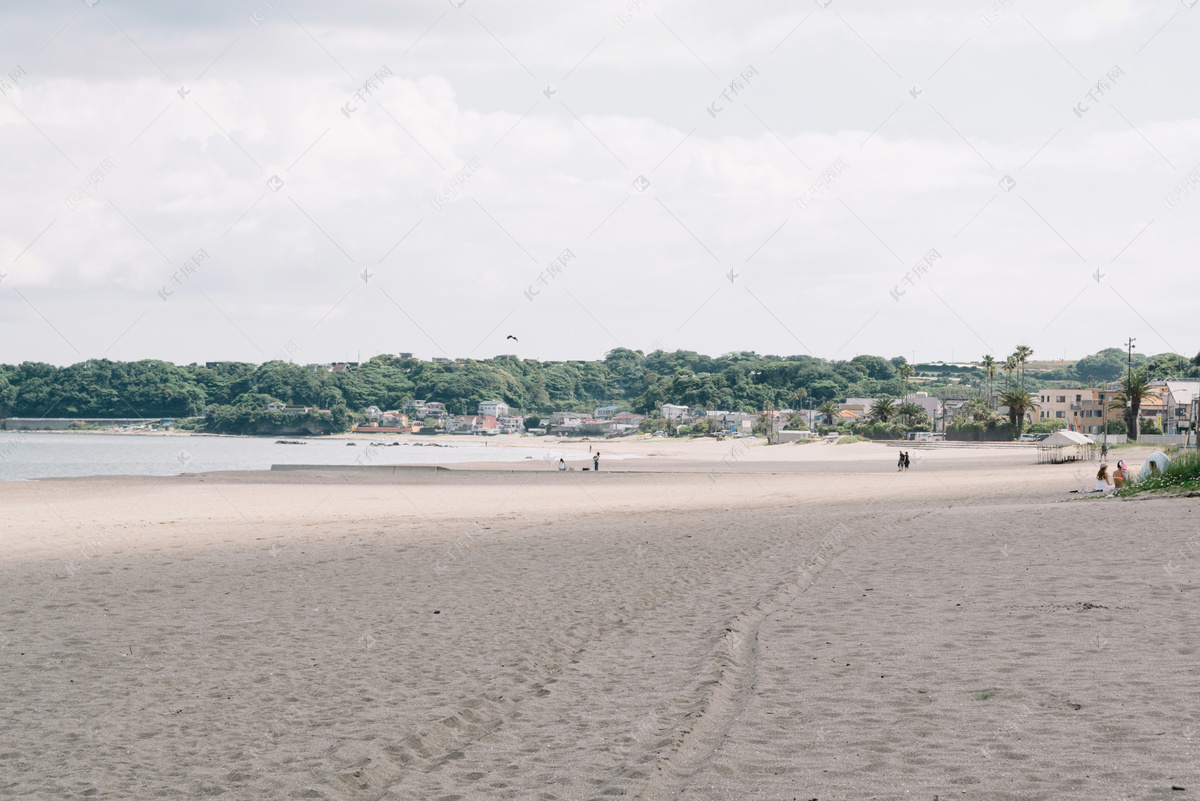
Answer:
(769, 176)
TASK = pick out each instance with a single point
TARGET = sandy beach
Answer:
(713, 620)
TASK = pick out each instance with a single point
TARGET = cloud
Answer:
(455, 182)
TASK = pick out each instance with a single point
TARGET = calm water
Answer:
(25, 455)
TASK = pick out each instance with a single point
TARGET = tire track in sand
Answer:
(729, 695)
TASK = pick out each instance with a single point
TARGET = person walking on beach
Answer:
(907, 461)
(561, 464)
(596, 461)
(900, 462)
(1104, 451)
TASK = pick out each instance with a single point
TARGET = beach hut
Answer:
(1066, 446)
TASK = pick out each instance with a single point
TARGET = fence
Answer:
(1161, 439)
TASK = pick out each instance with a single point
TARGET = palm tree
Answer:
(989, 367)
(907, 371)
(831, 410)
(1010, 364)
(1135, 388)
(1022, 355)
(882, 409)
(911, 412)
(1019, 403)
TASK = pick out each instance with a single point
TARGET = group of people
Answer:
(1109, 483)
(904, 462)
(562, 465)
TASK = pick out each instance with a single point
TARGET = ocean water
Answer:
(31, 455)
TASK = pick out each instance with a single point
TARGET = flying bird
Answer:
(510, 336)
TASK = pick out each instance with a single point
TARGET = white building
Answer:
(374, 412)
(672, 412)
(494, 408)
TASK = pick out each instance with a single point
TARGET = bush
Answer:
(1183, 469)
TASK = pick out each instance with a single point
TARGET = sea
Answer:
(32, 455)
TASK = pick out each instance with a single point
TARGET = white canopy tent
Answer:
(1066, 446)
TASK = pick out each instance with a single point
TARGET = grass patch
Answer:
(850, 440)
(1182, 475)
(986, 694)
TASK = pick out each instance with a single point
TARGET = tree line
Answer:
(743, 381)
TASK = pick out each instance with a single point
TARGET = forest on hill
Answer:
(743, 381)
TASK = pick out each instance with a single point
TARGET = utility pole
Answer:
(1130, 423)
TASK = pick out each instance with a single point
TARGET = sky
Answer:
(288, 179)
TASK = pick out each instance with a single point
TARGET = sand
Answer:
(702, 626)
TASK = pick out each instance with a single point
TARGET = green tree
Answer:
(906, 372)
(831, 411)
(1135, 388)
(913, 413)
(1107, 365)
(1020, 402)
(989, 369)
(882, 410)
(1022, 355)
(1168, 365)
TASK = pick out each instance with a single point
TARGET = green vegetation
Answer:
(1019, 402)
(1182, 475)
(235, 393)
(1135, 388)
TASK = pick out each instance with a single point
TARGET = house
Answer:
(1080, 409)
(672, 412)
(932, 406)
(493, 408)
(598, 427)
(486, 424)
(393, 419)
(421, 410)
(440, 360)
(1180, 396)
(404, 355)
(510, 425)
(276, 406)
(628, 419)
(461, 424)
(566, 422)
(373, 412)
(606, 412)
(858, 407)
(738, 422)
